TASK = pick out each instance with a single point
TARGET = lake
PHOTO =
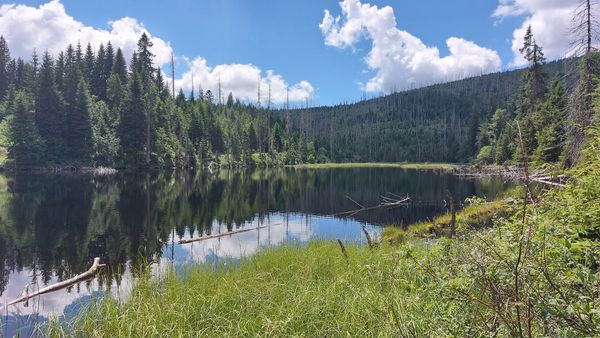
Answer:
(52, 226)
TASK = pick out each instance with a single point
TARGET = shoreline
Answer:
(403, 165)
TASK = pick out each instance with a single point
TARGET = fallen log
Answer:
(386, 202)
(543, 181)
(61, 285)
(203, 238)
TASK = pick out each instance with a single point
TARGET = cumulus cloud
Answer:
(242, 81)
(550, 22)
(50, 27)
(400, 59)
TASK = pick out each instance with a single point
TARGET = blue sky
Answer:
(284, 36)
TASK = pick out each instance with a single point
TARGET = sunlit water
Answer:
(52, 226)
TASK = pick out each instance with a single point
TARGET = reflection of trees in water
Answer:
(56, 224)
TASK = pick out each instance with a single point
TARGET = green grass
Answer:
(534, 272)
(471, 216)
(442, 166)
(293, 290)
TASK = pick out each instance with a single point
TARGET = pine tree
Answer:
(109, 61)
(533, 91)
(25, 78)
(88, 63)
(208, 96)
(99, 78)
(27, 147)
(78, 135)
(120, 67)
(230, 100)
(132, 126)
(550, 124)
(4, 63)
(105, 139)
(145, 58)
(252, 139)
(49, 111)
(59, 73)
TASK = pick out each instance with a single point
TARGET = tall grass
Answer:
(293, 290)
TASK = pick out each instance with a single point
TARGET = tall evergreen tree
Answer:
(88, 63)
(132, 126)
(79, 132)
(49, 110)
(550, 124)
(99, 78)
(120, 67)
(59, 73)
(4, 63)
(27, 147)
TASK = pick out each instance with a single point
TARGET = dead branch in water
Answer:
(514, 173)
(203, 238)
(386, 202)
(61, 285)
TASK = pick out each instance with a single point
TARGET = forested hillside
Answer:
(92, 108)
(87, 107)
(439, 123)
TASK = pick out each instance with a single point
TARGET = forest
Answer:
(456, 122)
(86, 108)
(90, 109)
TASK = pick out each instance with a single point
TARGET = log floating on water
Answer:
(203, 238)
(61, 285)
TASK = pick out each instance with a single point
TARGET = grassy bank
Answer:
(475, 215)
(310, 291)
(534, 272)
(441, 166)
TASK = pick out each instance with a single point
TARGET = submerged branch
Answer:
(61, 285)
(203, 238)
(386, 202)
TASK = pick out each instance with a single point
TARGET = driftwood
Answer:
(386, 202)
(203, 238)
(61, 285)
(514, 173)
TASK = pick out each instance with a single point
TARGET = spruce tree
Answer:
(59, 73)
(88, 63)
(550, 124)
(120, 67)
(49, 111)
(26, 147)
(132, 126)
(79, 131)
(533, 90)
(99, 78)
(4, 63)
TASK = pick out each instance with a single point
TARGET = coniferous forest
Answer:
(93, 108)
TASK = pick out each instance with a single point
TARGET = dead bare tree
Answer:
(585, 33)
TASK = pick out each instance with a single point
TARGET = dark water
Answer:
(52, 226)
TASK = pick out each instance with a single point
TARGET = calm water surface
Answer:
(52, 226)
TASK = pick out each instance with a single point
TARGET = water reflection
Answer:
(51, 226)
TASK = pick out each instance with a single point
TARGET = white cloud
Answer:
(242, 81)
(550, 22)
(49, 27)
(401, 59)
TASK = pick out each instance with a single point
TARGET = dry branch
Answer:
(61, 285)
(386, 202)
(203, 238)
